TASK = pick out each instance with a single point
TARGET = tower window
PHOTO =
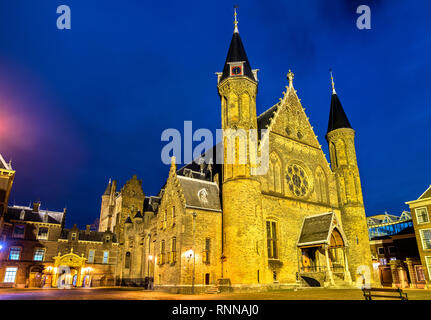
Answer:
(271, 236)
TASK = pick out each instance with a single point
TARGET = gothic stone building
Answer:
(303, 221)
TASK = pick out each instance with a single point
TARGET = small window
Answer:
(426, 238)
(422, 215)
(173, 212)
(19, 231)
(381, 250)
(39, 254)
(428, 262)
(127, 261)
(271, 236)
(105, 256)
(10, 275)
(91, 256)
(392, 250)
(42, 234)
(107, 239)
(14, 253)
(73, 237)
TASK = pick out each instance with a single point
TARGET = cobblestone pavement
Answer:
(137, 294)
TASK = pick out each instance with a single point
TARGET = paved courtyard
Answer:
(137, 294)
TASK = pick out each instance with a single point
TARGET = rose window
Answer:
(297, 180)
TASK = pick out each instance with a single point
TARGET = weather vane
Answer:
(236, 19)
(332, 82)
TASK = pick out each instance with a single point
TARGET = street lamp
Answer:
(194, 253)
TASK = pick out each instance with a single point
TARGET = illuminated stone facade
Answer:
(221, 224)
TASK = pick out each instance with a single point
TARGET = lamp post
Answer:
(194, 253)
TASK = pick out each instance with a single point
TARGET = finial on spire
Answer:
(332, 82)
(290, 76)
(236, 19)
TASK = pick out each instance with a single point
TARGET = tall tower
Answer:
(237, 87)
(7, 175)
(341, 140)
(107, 207)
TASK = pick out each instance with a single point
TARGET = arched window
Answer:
(274, 173)
(321, 186)
(127, 260)
(333, 153)
(245, 106)
(233, 108)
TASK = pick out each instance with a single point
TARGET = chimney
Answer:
(87, 229)
(36, 206)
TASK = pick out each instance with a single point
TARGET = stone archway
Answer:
(68, 270)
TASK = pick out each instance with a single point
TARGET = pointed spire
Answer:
(332, 82)
(237, 56)
(290, 76)
(337, 116)
(108, 188)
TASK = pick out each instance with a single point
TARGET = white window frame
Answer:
(107, 257)
(428, 263)
(422, 238)
(20, 253)
(89, 255)
(9, 270)
(43, 256)
(417, 217)
(42, 238)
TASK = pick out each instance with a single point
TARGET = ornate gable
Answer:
(291, 121)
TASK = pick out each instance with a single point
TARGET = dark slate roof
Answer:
(237, 53)
(14, 213)
(426, 194)
(264, 119)
(138, 215)
(193, 169)
(151, 204)
(200, 194)
(88, 236)
(315, 229)
(337, 116)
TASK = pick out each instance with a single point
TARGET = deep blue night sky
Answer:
(83, 105)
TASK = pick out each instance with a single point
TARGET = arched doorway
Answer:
(35, 277)
(68, 270)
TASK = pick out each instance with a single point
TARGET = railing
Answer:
(335, 269)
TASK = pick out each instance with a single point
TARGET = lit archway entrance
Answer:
(322, 251)
(68, 270)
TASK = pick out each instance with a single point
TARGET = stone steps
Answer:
(213, 290)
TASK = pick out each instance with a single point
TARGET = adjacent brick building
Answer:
(394, 251)
(420, 210)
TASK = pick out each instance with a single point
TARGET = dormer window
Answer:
(22, 215)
